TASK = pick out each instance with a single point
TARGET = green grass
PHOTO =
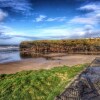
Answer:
(37, 85)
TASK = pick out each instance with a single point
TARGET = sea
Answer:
(9, 53)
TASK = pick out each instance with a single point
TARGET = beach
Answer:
(44, 63)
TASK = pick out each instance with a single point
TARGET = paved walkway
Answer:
(86, 86)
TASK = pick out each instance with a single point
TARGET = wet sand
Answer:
(42, 63)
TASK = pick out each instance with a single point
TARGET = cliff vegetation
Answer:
(61, 46)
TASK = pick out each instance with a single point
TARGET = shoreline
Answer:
(43, 63)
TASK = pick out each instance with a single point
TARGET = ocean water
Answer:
(9, 54)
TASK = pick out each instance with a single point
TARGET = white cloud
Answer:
(59, 19)
(45, 18)
(89, 21)
(83, 20)
(6, 31)
(65, 33)
(44, 32)
(2, 15)
(16, 5)
(92, 18)
(55, 32)
(40, 18)
(88, 27)
(87, 31)
(51, 19)
(90, 7)
(8, 35)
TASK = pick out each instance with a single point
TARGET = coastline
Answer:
(43, 63)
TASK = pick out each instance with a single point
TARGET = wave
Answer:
(9, 48)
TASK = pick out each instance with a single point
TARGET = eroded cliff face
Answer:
(61, 46)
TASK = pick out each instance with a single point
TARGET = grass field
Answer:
(37, 85)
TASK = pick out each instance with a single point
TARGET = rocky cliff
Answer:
(61, 46)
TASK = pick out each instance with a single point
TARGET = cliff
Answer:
(61, 46)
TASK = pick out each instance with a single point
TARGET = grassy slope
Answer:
(37, 85)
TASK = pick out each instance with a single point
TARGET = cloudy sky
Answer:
(48, 19)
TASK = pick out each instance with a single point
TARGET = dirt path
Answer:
(42, 63)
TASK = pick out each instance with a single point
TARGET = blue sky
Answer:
(48, 19)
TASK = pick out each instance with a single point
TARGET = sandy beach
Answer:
(42, 63)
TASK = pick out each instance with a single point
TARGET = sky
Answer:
(22, 20)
